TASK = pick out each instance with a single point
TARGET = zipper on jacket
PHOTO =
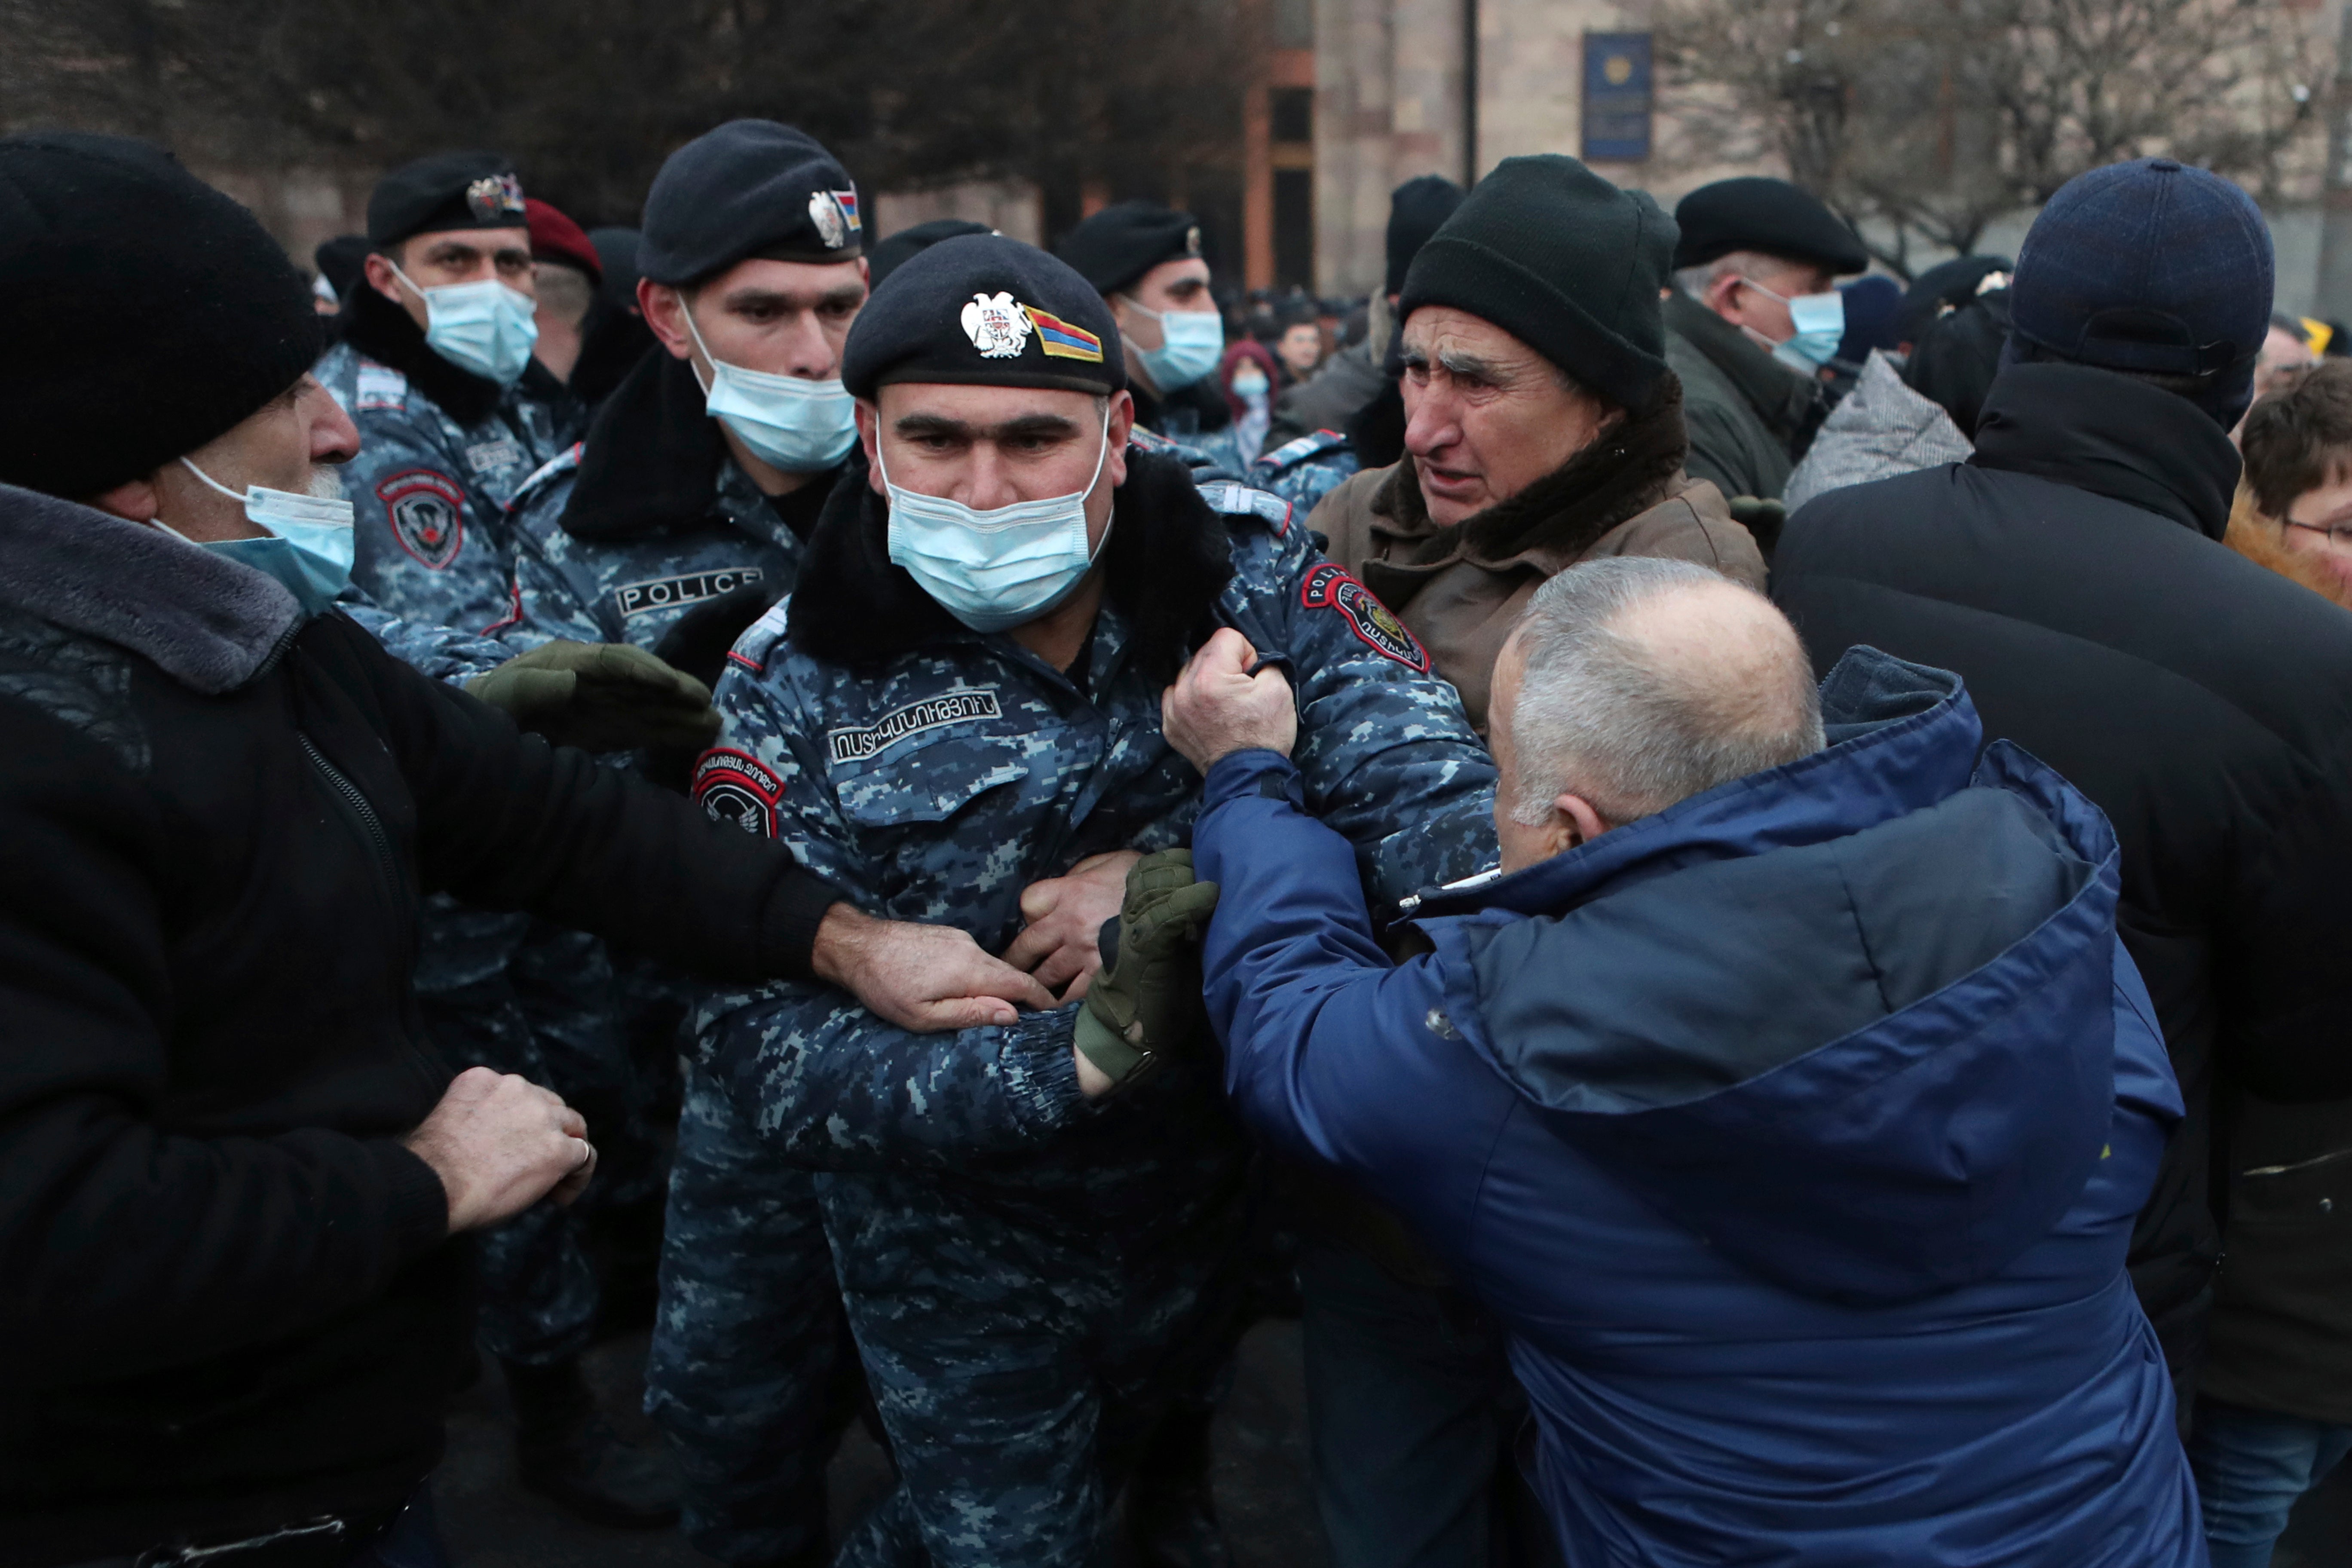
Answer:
(2332, 1155)
(378, 839)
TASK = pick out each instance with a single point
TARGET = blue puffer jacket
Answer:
(1796, 1133)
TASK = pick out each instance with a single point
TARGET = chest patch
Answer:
(685, 588)
(948, 708)
(489, 457)
(428, 513)
(734, 786)
(1329, 587)
(379, 386)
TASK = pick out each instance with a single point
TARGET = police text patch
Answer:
(427, 514)
(734, 786)
(948, 708)
(1329, 587)
(686, 588)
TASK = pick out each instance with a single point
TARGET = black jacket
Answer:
(2071, 574)
(226, 1298)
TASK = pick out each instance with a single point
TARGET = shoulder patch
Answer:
(1300, 450)
(427, 512)
(759, 638)
(1329, 587)
(379, 386)
(736, 786)
(856, 743)
(1242, 500)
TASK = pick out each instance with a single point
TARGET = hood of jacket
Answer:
(1849, 1020)
(1165, 561)
(209, 623)
(1879, 430)
(2114, 436)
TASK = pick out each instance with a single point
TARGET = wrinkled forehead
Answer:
(1437, 331)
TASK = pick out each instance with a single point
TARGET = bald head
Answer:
(1630, 684)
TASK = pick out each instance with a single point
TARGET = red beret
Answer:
(555, 238)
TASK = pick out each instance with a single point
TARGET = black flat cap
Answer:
(1753, 213)
(751, 188)
(908, 243)
(1121, 243)
(142, 312)
(445, 191)
(984, 310)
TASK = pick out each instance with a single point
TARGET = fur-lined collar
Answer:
(1555, 520)
(386, 334)
(651, 460)
(204, 620)
(1167, 560)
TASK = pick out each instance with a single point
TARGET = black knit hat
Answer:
(908, 243)
(444, 191)
(750, 188)
(1127, 239)
(1564, 261)
(1757, 213)
(145, 312)
(1417, 209)
(984, 310)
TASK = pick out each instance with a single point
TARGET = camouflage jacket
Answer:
(441, 454)
(439, 653)
(1304, 471)
(619, 538)
(932, 773)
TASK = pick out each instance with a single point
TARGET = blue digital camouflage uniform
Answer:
(747, 1373)
(1304, 471)
(1026, 1273)
(430, 494)
(633, 589)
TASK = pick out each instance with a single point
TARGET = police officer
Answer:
(1752, 319)
(956, 712)
(674, 524)
(1145, 261)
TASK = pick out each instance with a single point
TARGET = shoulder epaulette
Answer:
(1299, 451)
(1243, 500)
(758, 640)
(563, 463)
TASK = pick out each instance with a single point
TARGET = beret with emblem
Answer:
(1757, 213)
(1120, 243)
(444, 191)
(984, 310)
(750, 188)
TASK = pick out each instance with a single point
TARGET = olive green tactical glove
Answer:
(1147, 1000)
(601, 697)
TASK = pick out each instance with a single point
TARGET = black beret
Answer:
(1416, 209)
(143, 313)
(1121, 243)
(984, 310)
(1754, 213)
(904, 246)
(445, 191)
(751, 188)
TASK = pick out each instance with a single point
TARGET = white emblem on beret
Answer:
(825, 213)
(997, 327)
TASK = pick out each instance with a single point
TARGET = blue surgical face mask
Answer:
(1191, 344)
(1249, 382)
(1819, 320)
(308, 549)
(484, 327)
(800, 425)
(994, 569)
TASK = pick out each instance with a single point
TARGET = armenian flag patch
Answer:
(1062, 341)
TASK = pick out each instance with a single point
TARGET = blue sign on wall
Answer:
(1616, 97)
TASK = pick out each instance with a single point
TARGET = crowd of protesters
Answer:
(1722, 870)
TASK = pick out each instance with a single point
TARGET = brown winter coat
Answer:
(1461, 589)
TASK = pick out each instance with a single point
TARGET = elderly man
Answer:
(1754, 315)
(1796, 1097)
(232, 1161)
(956, 712)
(1543, 426)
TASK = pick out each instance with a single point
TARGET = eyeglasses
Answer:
(2337, 532)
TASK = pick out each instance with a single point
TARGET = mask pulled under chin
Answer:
(994, 569)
